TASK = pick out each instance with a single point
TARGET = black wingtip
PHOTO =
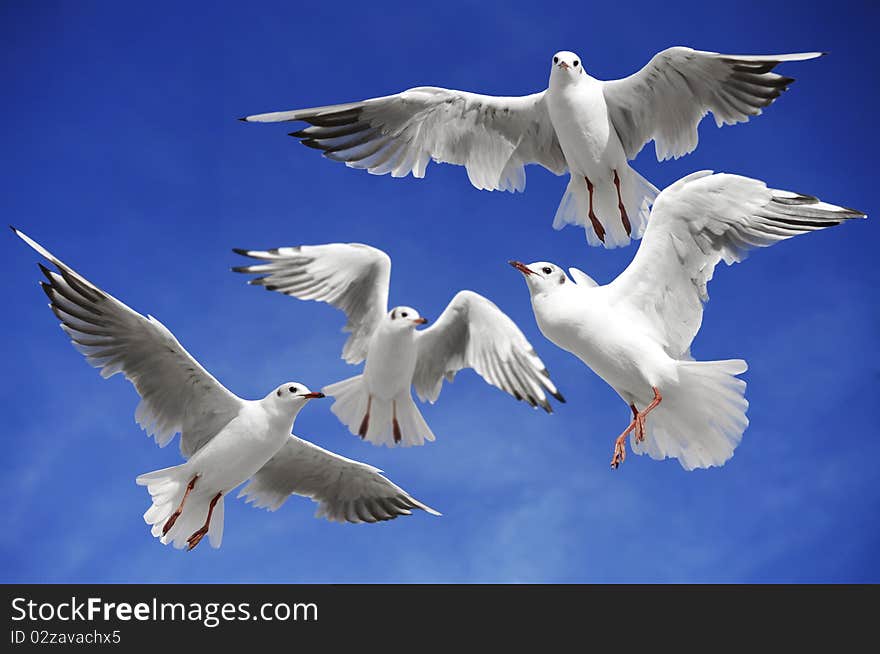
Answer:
(46, 272)
(240, 251)
(243, 119)
(854, 213)
(14, 230)
(240, 269)
(559, 397)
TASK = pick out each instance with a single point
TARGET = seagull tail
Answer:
(396, 422)
(702, 419)
(167, 488)
(610, 227)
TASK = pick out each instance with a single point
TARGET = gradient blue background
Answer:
(123, 156)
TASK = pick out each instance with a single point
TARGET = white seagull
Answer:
(636, 332)
(377, 405)
(580, 124)
(226, 439)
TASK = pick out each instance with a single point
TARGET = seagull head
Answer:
(293, 394)
(566, 67)
(541, 276)
(405, 318)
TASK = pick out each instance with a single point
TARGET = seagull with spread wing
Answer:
(585, 126)
(636, 332)
(377, 405)
(226, 439)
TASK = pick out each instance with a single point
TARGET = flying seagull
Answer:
(580, 124)
(226, 440)
(377, 405)
(636, 332)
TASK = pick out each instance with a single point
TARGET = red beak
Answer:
(313, 396)
(523, 268)
(421, 321)
(564, 65)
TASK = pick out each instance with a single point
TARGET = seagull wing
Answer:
(473, 333)
(668, 98)
(581, 278)
(696, 222)
(345, 490)
(350, 276)
(492, 137)
(177, 394)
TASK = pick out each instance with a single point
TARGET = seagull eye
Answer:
(403, 315)
(575, 63)
(555, 60)
(546, 270)
(292, 389)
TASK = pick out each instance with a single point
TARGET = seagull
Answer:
(377, 405)
(579, 124)
(226, 440)
(636, 332)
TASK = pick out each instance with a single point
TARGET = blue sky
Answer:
(123, 156)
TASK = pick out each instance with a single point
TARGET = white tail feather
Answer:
(638, 195)
(351, 400)
(701, 421)
(166, 488)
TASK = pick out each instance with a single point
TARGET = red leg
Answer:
(654, 403)
(597, 226)
(196, 538)
(365, 423)
(623, 217)
(640, 424)
(394, 422)
(637, 424)
(174, 516)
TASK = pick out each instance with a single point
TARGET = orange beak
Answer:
(421, 321)
(313, 396)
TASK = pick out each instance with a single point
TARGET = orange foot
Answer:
(620, 446)
(619, 451)
(196, 538)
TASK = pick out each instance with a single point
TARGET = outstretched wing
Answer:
(473, 333)
(668, 98)
(177, 394)
(350, 276)
(696, 222)
(492, 137)
(345, 490)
